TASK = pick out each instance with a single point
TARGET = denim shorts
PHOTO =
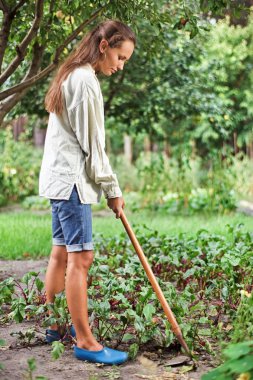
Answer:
(72, 223)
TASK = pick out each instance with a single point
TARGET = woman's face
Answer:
(114, 58)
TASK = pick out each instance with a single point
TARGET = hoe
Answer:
(169, 314)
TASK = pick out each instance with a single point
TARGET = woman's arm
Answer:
(86, 120)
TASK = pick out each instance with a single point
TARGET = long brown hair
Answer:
(115, 32)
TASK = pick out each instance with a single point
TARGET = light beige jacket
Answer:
(74, 152)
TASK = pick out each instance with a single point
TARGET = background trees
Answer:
(187, 91)
(35, 36)
(193, 95)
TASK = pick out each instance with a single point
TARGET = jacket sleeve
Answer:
(86, 120)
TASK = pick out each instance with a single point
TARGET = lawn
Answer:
(26, 234)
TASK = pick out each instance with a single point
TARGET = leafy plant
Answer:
(243, 320)
(201, 276)
(238, 364)
(29, 375)
(2, 343)
(58, 349)
(24, 296)
(25, 337)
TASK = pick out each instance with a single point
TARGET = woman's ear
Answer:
(103, 45)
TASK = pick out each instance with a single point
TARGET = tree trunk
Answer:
(147, 144)
(154, 147)
(236, 149)
(10, 102)
(194, 149)
(249, 150)
(39, 135)
(108, 145)
(128, 151)
(167, 149)
(18, 126)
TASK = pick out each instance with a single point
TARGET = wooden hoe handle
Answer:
(171, 318)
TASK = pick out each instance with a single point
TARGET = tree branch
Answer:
(11, 101)
(51, 8)
(28, 82)
(14, 94)
(51, 12)
(36, 61)
(9, 15)
(4, 35)
(75, 33)
(3, 6)
(19, 5)
(21, 49)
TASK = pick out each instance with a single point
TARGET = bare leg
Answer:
(55, 275)
(76, 292)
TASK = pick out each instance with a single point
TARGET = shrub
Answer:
(238, 364)
(187, 185)
(19, 169)
(35, 202)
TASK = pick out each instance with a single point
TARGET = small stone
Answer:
(179, 360)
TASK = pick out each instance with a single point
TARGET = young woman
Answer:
(75, 171)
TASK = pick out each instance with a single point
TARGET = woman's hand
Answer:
(116, 205)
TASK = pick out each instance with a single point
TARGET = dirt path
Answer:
(151, 365)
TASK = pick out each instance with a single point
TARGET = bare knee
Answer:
(59, 254)
(81, 260)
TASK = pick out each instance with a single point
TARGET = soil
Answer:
(150, 364)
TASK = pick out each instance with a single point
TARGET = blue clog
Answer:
(104, 356)
(54, 335)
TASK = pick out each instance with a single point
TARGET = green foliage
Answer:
(2, 343)
(25, 297)
(244, 318)
(238, 364)
(207, 272)
(60, 21)
(189, 185)
(29, 375)
(38, 243)
(34, 202)
(57, 313)
(193, 94)
(58, 349)
(25, 337)
(187, 97)
(19, 169)
(126, 173)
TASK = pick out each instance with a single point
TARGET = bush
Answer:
(126, 173)
(187, 185)
(34, 202)
(243, 168)
(19, 168)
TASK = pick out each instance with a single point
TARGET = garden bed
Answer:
(151, 363)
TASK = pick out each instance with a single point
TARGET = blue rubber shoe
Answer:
(104, 356)
(53, 335)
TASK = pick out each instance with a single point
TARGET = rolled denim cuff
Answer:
(80, 247)
(58, 241)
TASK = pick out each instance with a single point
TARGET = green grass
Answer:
(24, 234)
